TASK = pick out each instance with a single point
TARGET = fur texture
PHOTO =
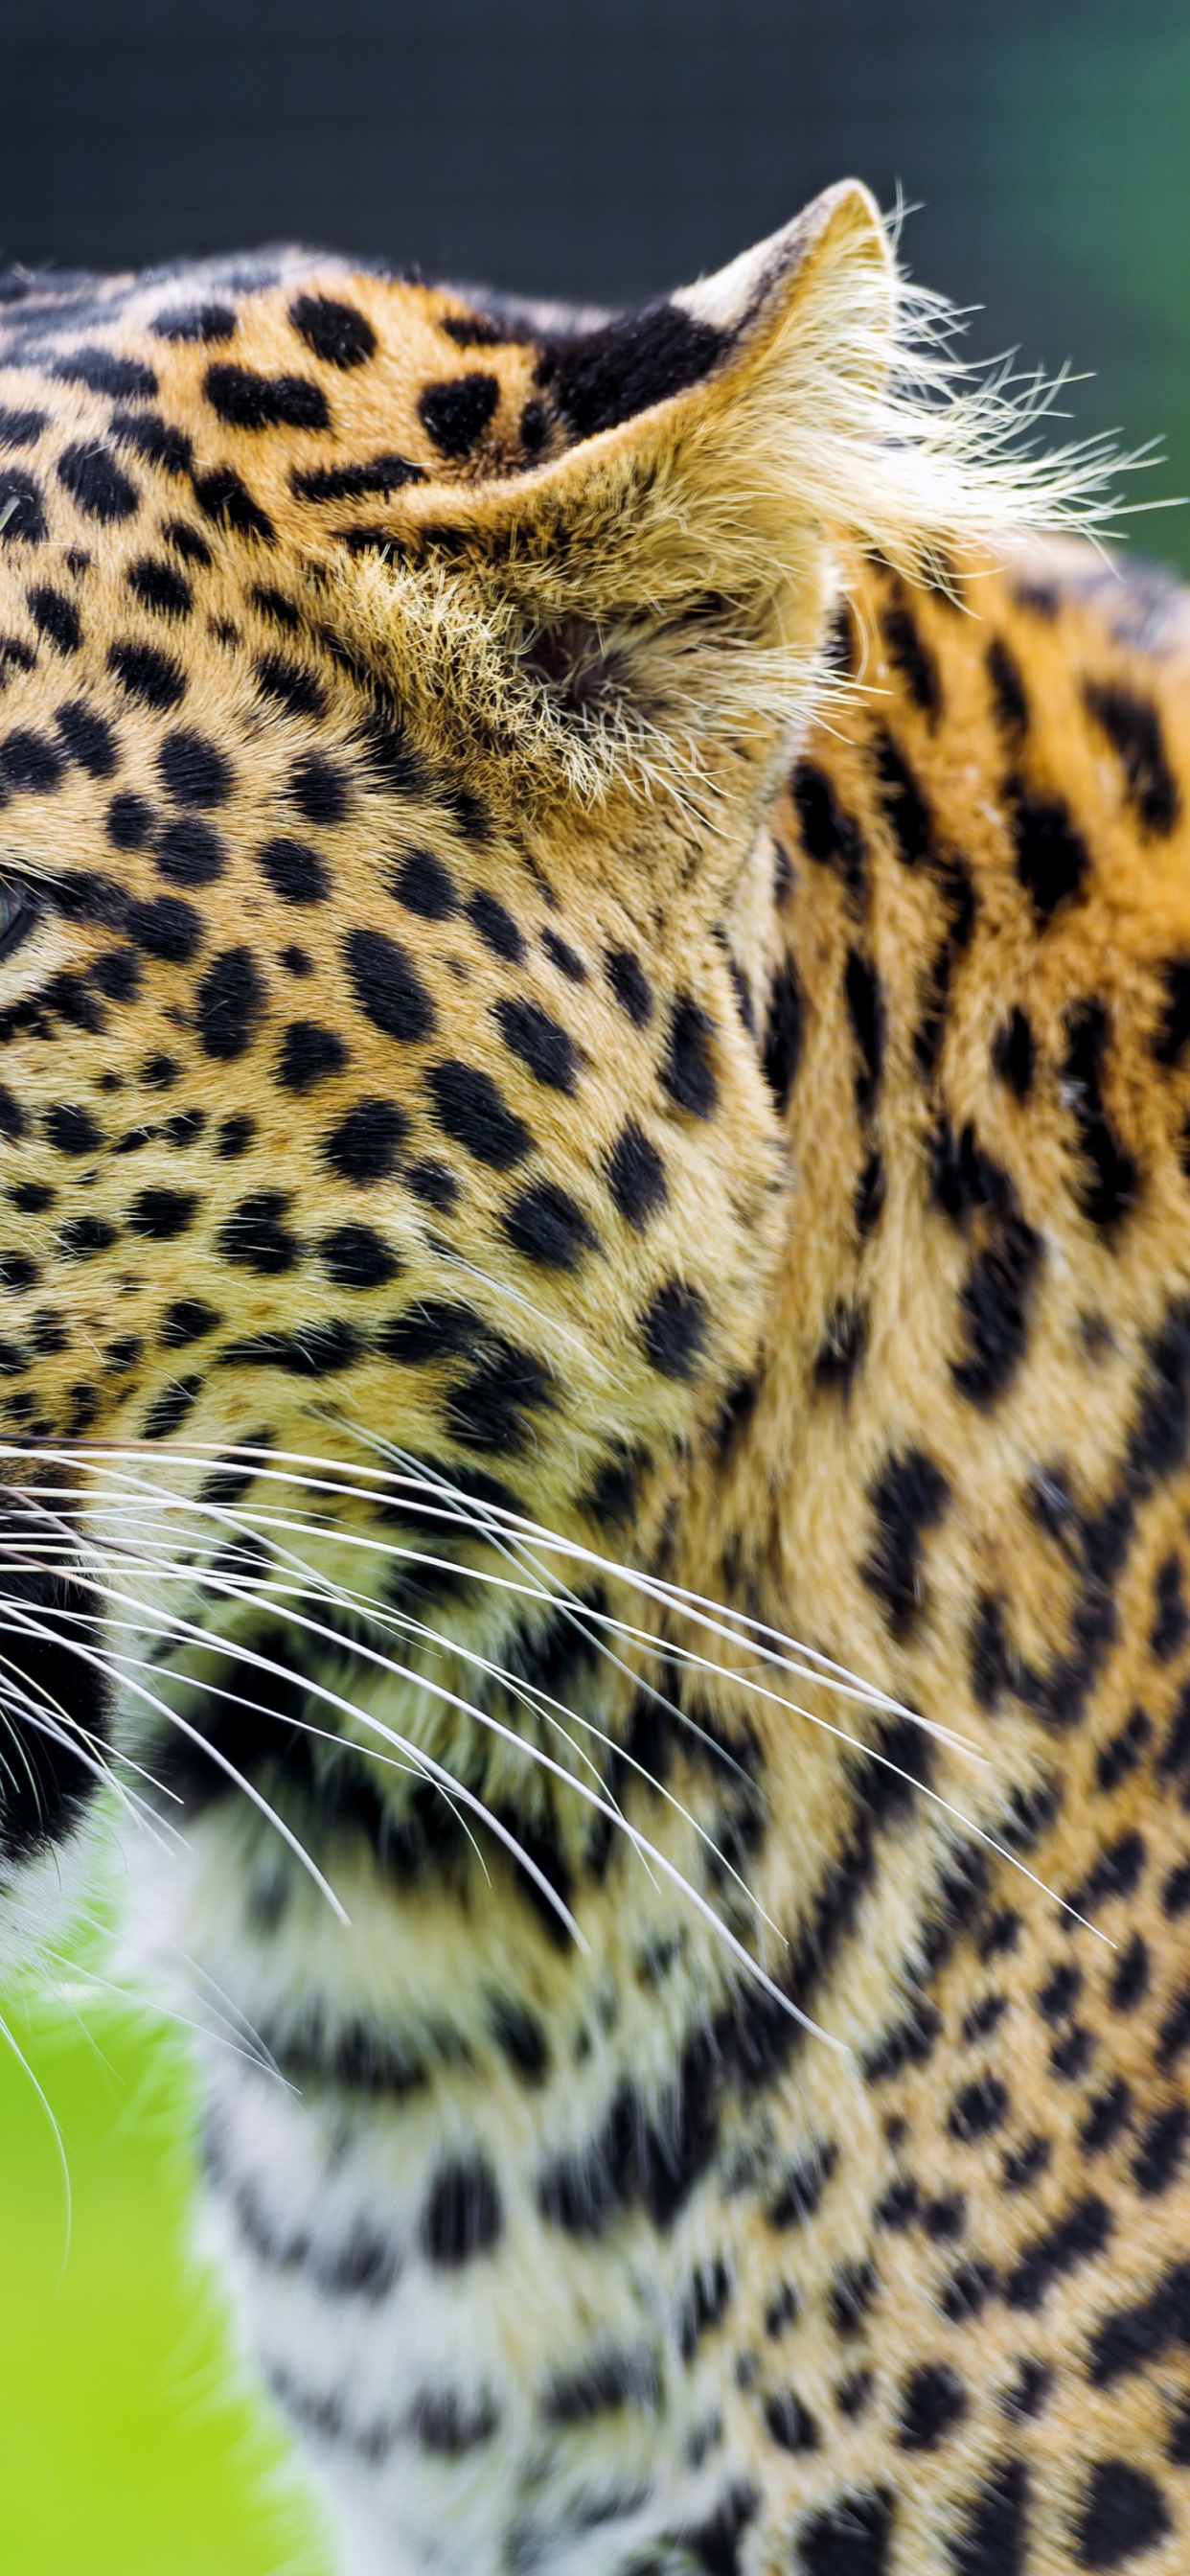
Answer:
(595, 965)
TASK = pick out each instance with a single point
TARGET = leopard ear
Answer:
(648, 605)
(704, 425)
(661, 585)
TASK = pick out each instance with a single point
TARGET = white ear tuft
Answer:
(840, 228)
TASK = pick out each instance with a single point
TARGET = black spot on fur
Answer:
(296, 873)
(1131, 2338)
(382, 474)
(1133, 728)
(187, 542)
(203, 322)
(639, 2158)
(159, 441)
(802, 2188)
(1123, 2513)
(487, 1409)
(714, 2545)
(827, 833)
(959, 898)
(223, 496)
(96, 484)
(687, 1070)
(851, 2538)
(564, 957)
(1116, 1872)
(188, 1320)
(865, 1010)
(424, 884)
(1014, 1053)
(842, 1348)
(150, 678)
(913, 657)
(610, 374)
(870, 1194)
(1161, 2150)
(607, 2382)
(636, 1175)
(903, 803)
(463, 2215)
(367, 1142)
(308, 1055)
(167, 928)
(255, 1237)
(313, 1350)
(337, 333)
(995, 1300)
(434, 1183)
(87, 738)
(189, 852)
(1076, 2237)
(981, 2107)
(547, 1225)
(1173, 1030)
(193, 770)
(319, 789)
(21, 428)
(387, 986)
(56, 617)
(933, 2402)
(703, 2306)
(496, 927)
(783, 1035)
(909, 1498)
(1116, 1759)
(160, 587)
(1010, 706)
(292, 684)
(1109, 1188)
(169, 1410)
(471, 1108)
(103, 371)
(355, 1256)
(790, 2424)
(230, 998)
(1052, 859)
(246, 400)
(520, 2037)
(630, 985)
(30, 764)
(674, 1328)
(22, 507)
(163, 1214)
(456, 412)
(995, 2537)
(538, 1040)
(433, 1329)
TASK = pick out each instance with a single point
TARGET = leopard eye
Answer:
(18, 912)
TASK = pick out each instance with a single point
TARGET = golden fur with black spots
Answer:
(595, 997)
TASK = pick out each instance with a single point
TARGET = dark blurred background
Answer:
(606, 149)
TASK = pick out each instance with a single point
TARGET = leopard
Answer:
(595, 1426)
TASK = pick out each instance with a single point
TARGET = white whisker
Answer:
(22, 2061)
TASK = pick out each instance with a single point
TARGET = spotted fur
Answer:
(596, 1081)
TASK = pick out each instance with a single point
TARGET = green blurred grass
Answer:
(125, 2449)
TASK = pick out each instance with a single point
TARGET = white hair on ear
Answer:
(868, 414)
